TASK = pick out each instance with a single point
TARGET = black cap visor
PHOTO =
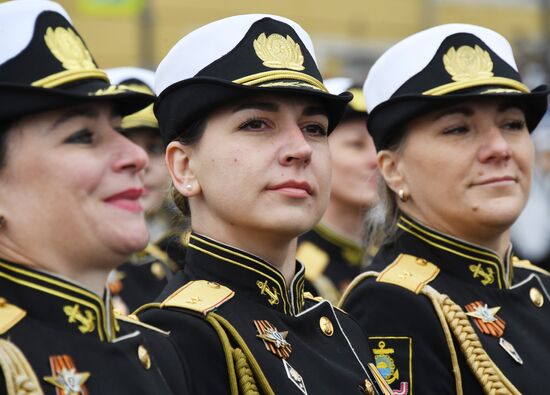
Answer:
(387, 121)
(189, 100)
(21, 100)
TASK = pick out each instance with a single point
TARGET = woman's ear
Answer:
(178, 162)
(388, 163)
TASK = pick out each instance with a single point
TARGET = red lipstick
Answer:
(127, 200)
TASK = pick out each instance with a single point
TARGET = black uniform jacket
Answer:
(59, 336)
(331, 261)
(237, 325)
(140, 280)
(414, 306)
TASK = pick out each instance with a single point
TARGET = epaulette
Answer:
(527, 264)
(10, 315)
(133, 319)
(313, 258)
(200, 296)
(409, 272)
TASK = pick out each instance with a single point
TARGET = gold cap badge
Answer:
(278, 52)
(467, 63)
(68, 48)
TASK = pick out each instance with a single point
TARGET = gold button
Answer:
(158, 270)
(421, 261)
(144, 357)
(536, 297)
(212, 284)
(2, 302)
(326, 326)
(369, 388)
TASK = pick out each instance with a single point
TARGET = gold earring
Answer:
(2, 221)
(403, 196)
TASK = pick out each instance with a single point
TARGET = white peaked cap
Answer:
(45, 64)
(338, 85)
(118, 75)
(210, 42)
(17, 27)
(439, 65)
(235, 57)
(409, 56)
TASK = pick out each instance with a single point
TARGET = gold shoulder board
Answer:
(9, 315)
(527, 264)
(201, 296)
(409, 272)
(313, 258)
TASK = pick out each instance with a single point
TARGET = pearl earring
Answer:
(189, 187)
(403, 196)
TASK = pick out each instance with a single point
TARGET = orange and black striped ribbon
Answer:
(495, 328)
(262, 327)
(60, 362)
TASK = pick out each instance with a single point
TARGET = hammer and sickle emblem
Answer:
(264, 290)
(487, 275)
(86, 320)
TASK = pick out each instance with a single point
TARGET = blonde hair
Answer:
(380, 224)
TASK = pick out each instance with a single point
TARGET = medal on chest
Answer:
(489, 323)
(276, 343)
(66, 379)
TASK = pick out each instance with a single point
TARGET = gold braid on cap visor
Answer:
(298, 79)
(64, 77)
(459, 85)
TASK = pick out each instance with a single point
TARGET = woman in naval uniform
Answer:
(69, 213)
(143, 277)
(452, 128)
(245, 115)
(332, 252)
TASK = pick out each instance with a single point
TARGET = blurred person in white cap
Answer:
(142, 278)
(245, 115)
(451, 122)
(531, 232)
(332, 252)
(69, 213)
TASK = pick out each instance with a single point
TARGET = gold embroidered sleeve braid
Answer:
(18, 373)
(493, 381)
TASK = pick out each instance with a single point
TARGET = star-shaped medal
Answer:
(66, 379)
(274, 340)
(275, 337)
(484, 313)
(69, 381)
(486, 318)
